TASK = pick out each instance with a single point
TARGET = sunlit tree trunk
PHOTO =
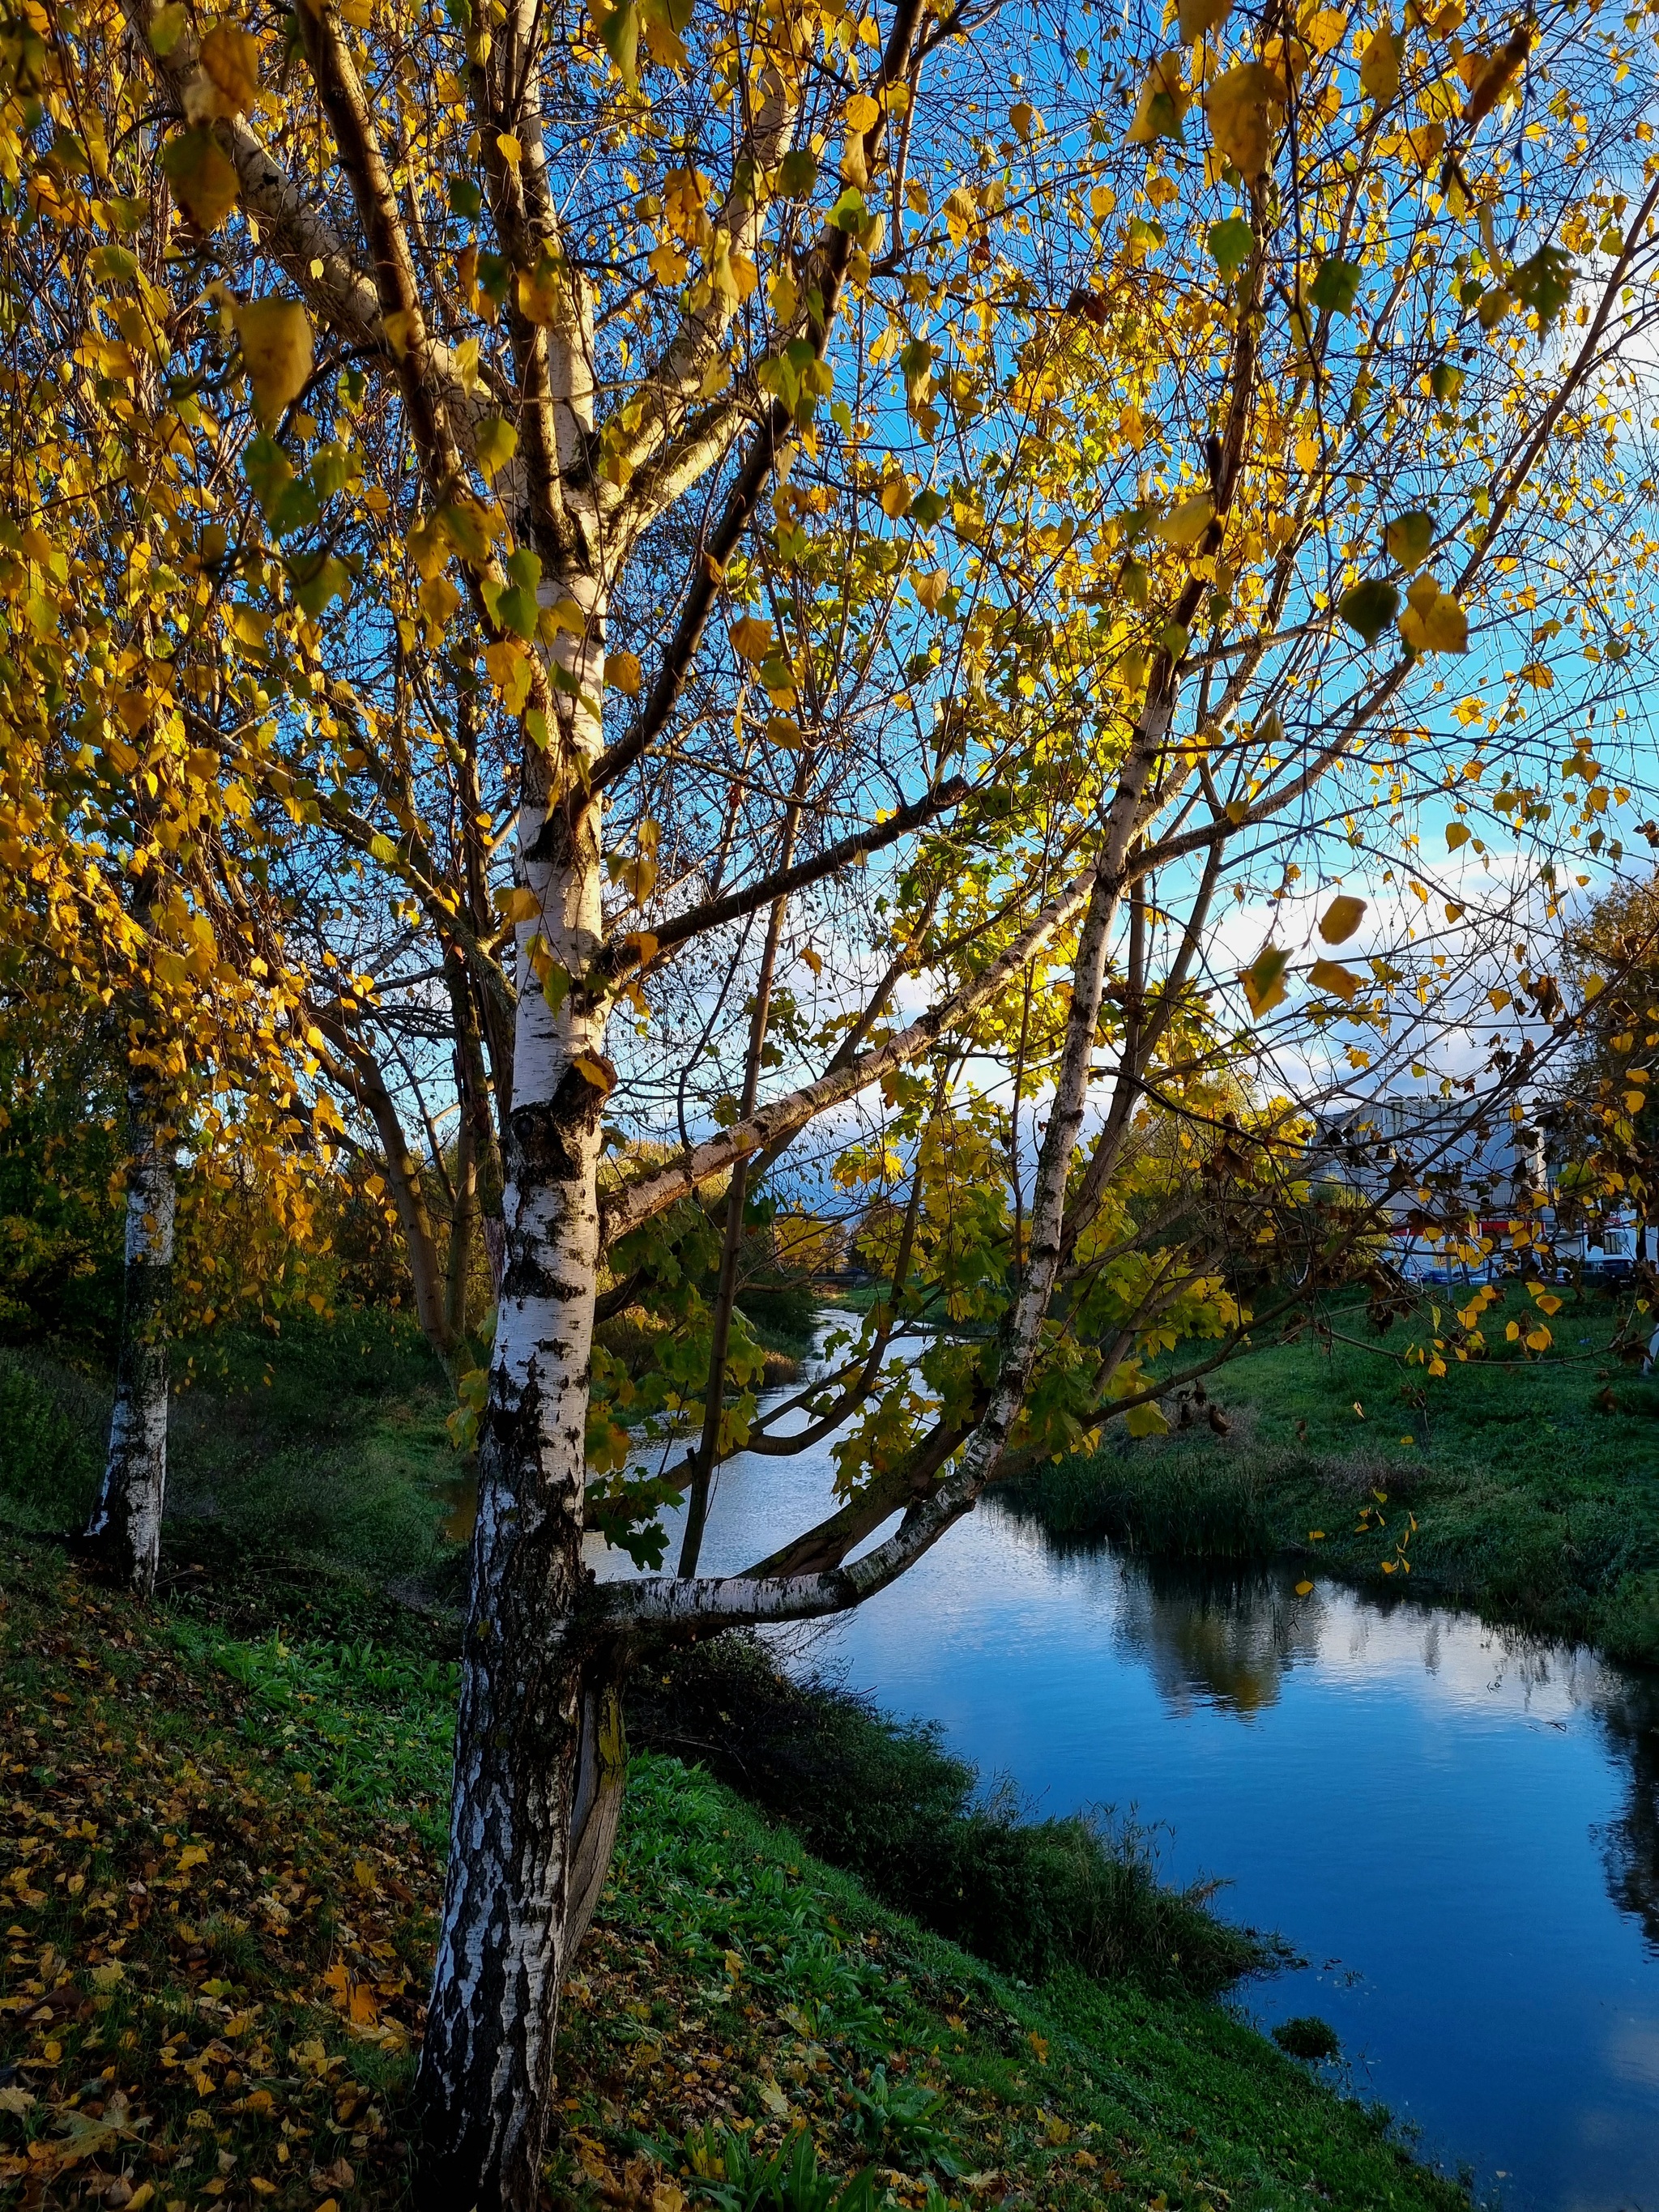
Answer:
(538, 1756)
(124, 1531)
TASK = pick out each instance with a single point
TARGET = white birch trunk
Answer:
(537, 1756)
(124, 1531)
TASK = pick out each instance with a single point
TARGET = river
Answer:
(1456, 1826)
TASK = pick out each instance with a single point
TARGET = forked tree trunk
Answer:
(538, 1747)
(124, 1531)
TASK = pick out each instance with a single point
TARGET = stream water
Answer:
(1457, 1828)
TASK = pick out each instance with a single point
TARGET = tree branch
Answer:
(651, 1194)
(622, 953)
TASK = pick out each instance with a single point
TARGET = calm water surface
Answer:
(1456, 1826)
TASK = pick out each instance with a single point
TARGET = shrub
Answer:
(48, 1462)
(1308, 2036)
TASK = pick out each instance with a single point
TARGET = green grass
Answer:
(885, 1800)
(1534, 1483)
(242, 2027)
(319, 1451)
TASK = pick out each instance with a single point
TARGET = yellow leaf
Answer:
(1021, 115)
(540, 291)
(1304, 1589)
(1146, 1420)
(1185, 525)
(1245, 108)
(1194, 18)
(814, 960)
(403, 326)
(1457, 834)
(277, 352)
(783, 730)
(1634, 1101)
(1342, 917)
(439, 600)
(193, 1855)
(959, 209)
(667, 264)
(1433, 621)
(356, 1999)
(231, 59)
(931, 589)
(1331, 976)
(509, 671)
(896, 496)
(1323, 30)
(133, 707)
(861, 112)
(428, 547)
(622, 673)
(1264, 980)
(1379, 66)
(1409, 537)
(203, 178)
(594, 1070)
(751, 638)
(1163, 101)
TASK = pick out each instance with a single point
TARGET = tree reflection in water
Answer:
(1227, 1635)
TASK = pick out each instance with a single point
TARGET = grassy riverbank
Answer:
(1533, 1483)
(221, 1862)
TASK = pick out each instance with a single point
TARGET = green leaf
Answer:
(496, 441)
(167, 26)
(268, 470)
(797, 172)
(1231, 244)
(1336, 286)
(317, 579)
(114, 265)
(465, 198)
(619, 34)
(1264, 979)
(1408, 538)
(849, 213)
(1544, 283)
(1369, 608)
(516, 610)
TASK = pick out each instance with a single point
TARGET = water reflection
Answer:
(1628, 1713)
(1457, 1826)
(1225, 1638)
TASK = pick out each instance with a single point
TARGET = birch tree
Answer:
(884, 542)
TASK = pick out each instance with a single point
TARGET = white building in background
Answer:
(1497, 1166)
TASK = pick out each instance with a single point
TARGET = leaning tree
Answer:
(865, 601)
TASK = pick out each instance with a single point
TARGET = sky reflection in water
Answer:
(1457, 1828)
